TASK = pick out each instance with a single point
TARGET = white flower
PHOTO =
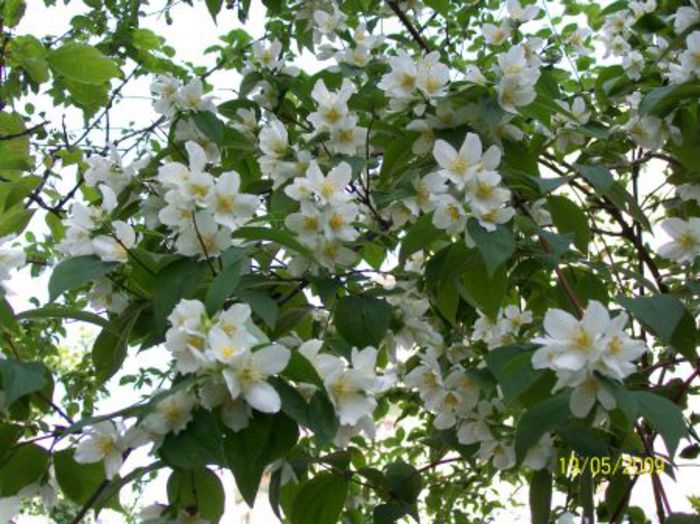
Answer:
(578, 40)
(166, 87)
(690, 58)
(433, 76)
(10, 258)
(268, 55)
(689, 192)
(449, 215)
(332, 109)
(202, 236)
(187, 314)
(115, 248)
(176, 174)
(519, 13)
(191, 96)
(231, 207)
(273, 139)
(104, 443)
(401, 80)
(539, 456)
(585, 395)
(247, 374)
(646, 131)
(684, 17)
(503, 456)
(496, 34)
(170, 415)
(337, 221)
(633, 63)
(460, 166)
(684, 246)
(619, 349)
(329, 23)
(575, 343)
(513, 93)
(350, 391)
(329, 189)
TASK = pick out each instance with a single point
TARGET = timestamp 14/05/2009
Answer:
(606, 465)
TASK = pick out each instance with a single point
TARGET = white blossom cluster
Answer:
(326, 215)
(519, 70)
(427, 76)
(466, 178)
(578, 349)
(351, 386)
(202, 209)
(504, 329)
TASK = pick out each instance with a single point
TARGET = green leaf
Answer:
(362, 320)
(538, 420)
(54, 311)
(198, 445)
(283, 238)
(485, 291)
(12, 12)
(214, 6)
(22, 378)
(419, 236)
(660, 101)
(266, 439)
(223, 286)
(440, 6)
(111, 345)
(512, 367)
(176, 281)
(570, 218)
(210, 126)
(403, 482)
(14, 220)
(200, 489)
(261, 304)
(26, 464)
(82, 63)
(540, 496)
(29, 54)
(668, 319)
(495, 247)
(664, 416)
(75, 272)
(320, 500)
(79, 482)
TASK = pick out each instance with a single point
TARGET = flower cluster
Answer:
(578, 349)
(427, 76)
(201, 209)
(173, 96)
(351, 387)
(326, 215)
(519, 70)
(466, 177)
(504, 330)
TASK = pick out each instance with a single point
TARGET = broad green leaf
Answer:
(223, 286)
(14, 152)
(199, 489)
(283, 238)
(22, 378)
(682, 518)
(496, 247)
(26, 464)
(75, 272)
(12, 12)
(540, 496)
(485, 291)
(569, 218)
(210, 126)
(512, 367)
(664, 416)
(176, 281)
(111, 345)
(249, 451)
(54, 311)
(198, 445)
(419, 236)
(539, 419)
(362, 320)
(660, 101)
(403, 481)
(82, 63)
(79, 482)
(440, 6)
(14, 220)
(29, 54)
(320, 500)
(667, 318)
(214, 6)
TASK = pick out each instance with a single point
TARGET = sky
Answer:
(191, 32)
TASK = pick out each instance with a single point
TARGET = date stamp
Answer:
(631, 465)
